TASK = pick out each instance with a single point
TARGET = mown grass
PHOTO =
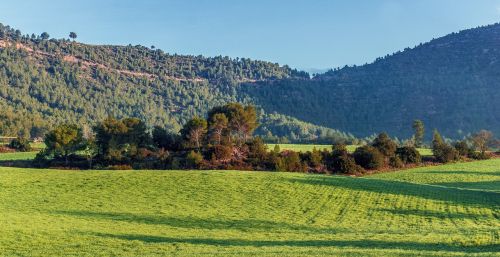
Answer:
(484, 175)
(17, 156)
(235, 213)
(306, 147)
(350, 148)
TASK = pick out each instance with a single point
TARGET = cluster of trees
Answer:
(474, 147)
(224, 140)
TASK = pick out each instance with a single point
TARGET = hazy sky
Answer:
(303, 34)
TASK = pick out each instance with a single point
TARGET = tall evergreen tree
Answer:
(194, 132)
(418, 127)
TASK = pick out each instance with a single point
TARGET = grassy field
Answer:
(306, 147)
(484, 175)
(350, 148)
(17, 156)
(450, 210)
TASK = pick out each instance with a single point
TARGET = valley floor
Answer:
(448, 210)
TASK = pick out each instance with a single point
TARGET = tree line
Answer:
(224, 140)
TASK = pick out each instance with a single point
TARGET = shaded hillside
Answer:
(46, 81)
(451, 83)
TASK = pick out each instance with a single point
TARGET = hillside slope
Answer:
(224, 213)
(451, 83)
(47, 81)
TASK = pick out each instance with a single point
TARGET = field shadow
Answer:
(434, 214)
(487, 199)
(459, 172)
(364, 244)
(17, 163)
(479, 185)
(199, 223)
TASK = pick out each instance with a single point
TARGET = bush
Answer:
(368, 157)
(42, 159)
(480, 156)
(194, 160)
(345, 164)
(290, 161)
(258, 156)
(408, 154)
(445, 153)
(442, 152)
(339, 149)
(313, 159)
(20, 144)
(396, 162)
(384, 144)
(462, 148)
(222, 153)
(120, 167)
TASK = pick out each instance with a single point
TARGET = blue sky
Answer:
(303, 34)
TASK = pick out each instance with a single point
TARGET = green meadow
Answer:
(448, 210)
(17, 156)
(350, 148)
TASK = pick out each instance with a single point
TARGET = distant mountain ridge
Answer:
(451, 83)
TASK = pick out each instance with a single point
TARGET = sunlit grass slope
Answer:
(483, 175)
(17, 156)
(306, 147)
(233, 213)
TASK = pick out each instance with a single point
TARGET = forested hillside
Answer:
(46, 81)
(451, 83)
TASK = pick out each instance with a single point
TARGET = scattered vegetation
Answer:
(20, 144)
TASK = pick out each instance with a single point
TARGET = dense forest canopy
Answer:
(451, 83)
(46, 81)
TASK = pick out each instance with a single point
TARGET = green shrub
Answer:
(339, 149)
(20, 144)
(445, 153)
(442, 151)
(345, 164)
(462, 148)
(384, 144)
(368, 157)
(313, 158)
(194, 160)
(396, 162)
(408, 154)
(42, 159)
(290, 161)
(258, 156)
